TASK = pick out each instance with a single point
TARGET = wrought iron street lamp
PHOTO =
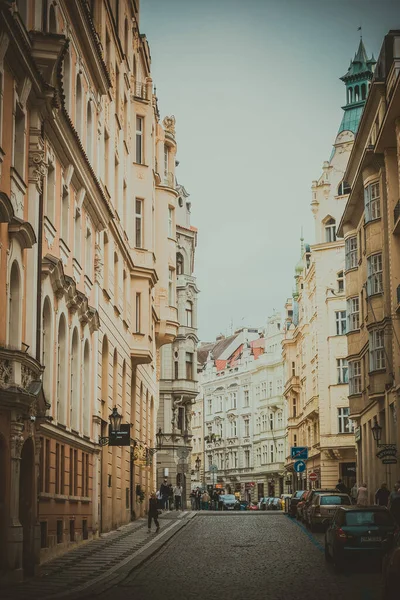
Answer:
(377, 432)
(115, 420)
(118, 434)
(387, 452)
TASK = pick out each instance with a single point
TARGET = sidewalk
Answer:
(107, 559)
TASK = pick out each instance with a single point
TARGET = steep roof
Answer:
(216, 348)
(360, 65)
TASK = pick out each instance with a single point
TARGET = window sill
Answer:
(372, 221)
(374, 294)
(139, 333)
(377, 371)
(350, 269)
(140, 164)
(353, 331)
(358, 394)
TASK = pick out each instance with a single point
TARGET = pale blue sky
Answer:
(254, 86)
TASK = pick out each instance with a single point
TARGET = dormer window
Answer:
(330, 230)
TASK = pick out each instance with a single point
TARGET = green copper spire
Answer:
(357, 80)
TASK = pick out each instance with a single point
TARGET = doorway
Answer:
(26, 505)
(3, 492)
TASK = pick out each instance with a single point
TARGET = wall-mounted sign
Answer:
(389, 461)
(388, 451)
(121, 437)
(299, 452)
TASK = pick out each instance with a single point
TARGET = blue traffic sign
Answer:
(299, 452)
(299, 466)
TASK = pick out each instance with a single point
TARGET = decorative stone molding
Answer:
(6, 208)
(16, 439)
(36, 159)
(98, 264)
(23, 232)
(169, 125)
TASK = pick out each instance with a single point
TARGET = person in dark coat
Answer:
(341, 487)
(215, 500)
(164, 491)
(382, 495)
(153, 513)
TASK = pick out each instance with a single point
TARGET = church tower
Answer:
(357, 80)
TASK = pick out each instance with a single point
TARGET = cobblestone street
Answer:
(258, 556)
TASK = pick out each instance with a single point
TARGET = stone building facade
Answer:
(178, 382)
(370, 226)
(87, 260)
(315, 347)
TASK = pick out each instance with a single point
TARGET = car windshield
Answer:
(229, 498)
(368, 517)
(335, 500)
(299, 494)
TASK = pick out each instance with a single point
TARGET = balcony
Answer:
(185, 387)
(292, 384)
(168, 180)
(18, 370)
(396, 220)
(141, 91)
(141, 349)
(311, 409)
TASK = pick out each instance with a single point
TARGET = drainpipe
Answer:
(39, 269)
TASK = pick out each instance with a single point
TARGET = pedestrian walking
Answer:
(164, 491)
(193, 499)
(220, 502)
(341, 487)
(215, 500)
(178, 496)
(205, 500)
(382, 495)
(394, 503)
(198, 498)
(362, 495)
(353, 493)
(171, 497)
(152, 513)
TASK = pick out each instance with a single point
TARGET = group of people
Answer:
(166, 498)
(383, 496)
(201, 500)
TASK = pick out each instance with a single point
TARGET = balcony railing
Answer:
(396, 213)
(141, 90)
(17, 369)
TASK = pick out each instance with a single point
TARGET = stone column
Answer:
(15, 533)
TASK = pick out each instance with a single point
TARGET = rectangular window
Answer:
(77, 235)
(247, 459)
(235, 459)
(294, 405)
(19, 141)
(345, 424)
(270, 389)
(374, 270)
(88, 248)
(246, 397)
(330, 231)
(138, 223)
(233, 428)
(355, 377)
(340, 316)
(71, 530)
(139, 140)
(51, 193)
(75, 472)
(209, 406)
(341, 365)
(353, 313)
(171, 289)
(170, 222)
(83, 475)
(41, 466)
(57, 482)
(59, 532)
(166, 159)
(246, 428)
(71, 472)
(351, 253)
(189, 366)
(138, 317)
(272, 452)
(264, 454)
(47, 468)
(377, 350)
(181, 418)
(372, 202)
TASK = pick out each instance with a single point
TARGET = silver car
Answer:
(323, 507)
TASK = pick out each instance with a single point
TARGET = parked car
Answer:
(262, 505)
(242, 505)
(391, 567)
(295, 499)
(275, 504)
(324, 506)
(228, 501)
(253, 506)
(300, 506)
(308, 502)
(357, 531)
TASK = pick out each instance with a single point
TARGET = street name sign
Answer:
(299, 466)
(299, 452)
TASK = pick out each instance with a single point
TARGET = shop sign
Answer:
(389, 451)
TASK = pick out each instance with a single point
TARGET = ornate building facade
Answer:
(370, 226)
(178, 383)
(87, 263)
(315, 347)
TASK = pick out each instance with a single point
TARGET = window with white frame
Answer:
(345, 424)
(209, 430)
(235, 459)
(351, 253)
(271, 421)
(88, 252)
(170, 222)
(210, 461)
(246, 428)
(138, 316)
(258, 456)
(280, 452)
(209, 406)
(340, 318)
(139, 140)
(51, 193)
(374, 272)
(234, 399)
(355, 377)
(189, 314)
(258, 424)
(372, 202)
(353, 313)
(219, 429)
(221, 403)
(233, 428)
(264, 389)
(166, 159)
(272, 450)
(264, 454)
(340, 282)
(264, 423)
(279, 387)
(77, 235)
(270, 389)
(377, 350)
(246, 397)
(330, 230)
(247, 459)
(257, 392)
(171, 288)
(138, 223)
(341, 366)
(280, 420)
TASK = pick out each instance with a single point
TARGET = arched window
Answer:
(89, 132)
(179, 264)
(189, 314)
(104, 378)
(78, 106)
(61, 413)
(47, 343)
(87, 404)
(74, 374)
(363, 91)
(14, 313)
(330, 230)
(115, 378)
(106, 251)
(356, 94)
(52, 19)
(350, 95)
(343, 188)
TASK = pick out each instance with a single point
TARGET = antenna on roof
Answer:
(360, 29)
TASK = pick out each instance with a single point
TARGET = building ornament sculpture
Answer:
(169, 124)
(37, 163)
